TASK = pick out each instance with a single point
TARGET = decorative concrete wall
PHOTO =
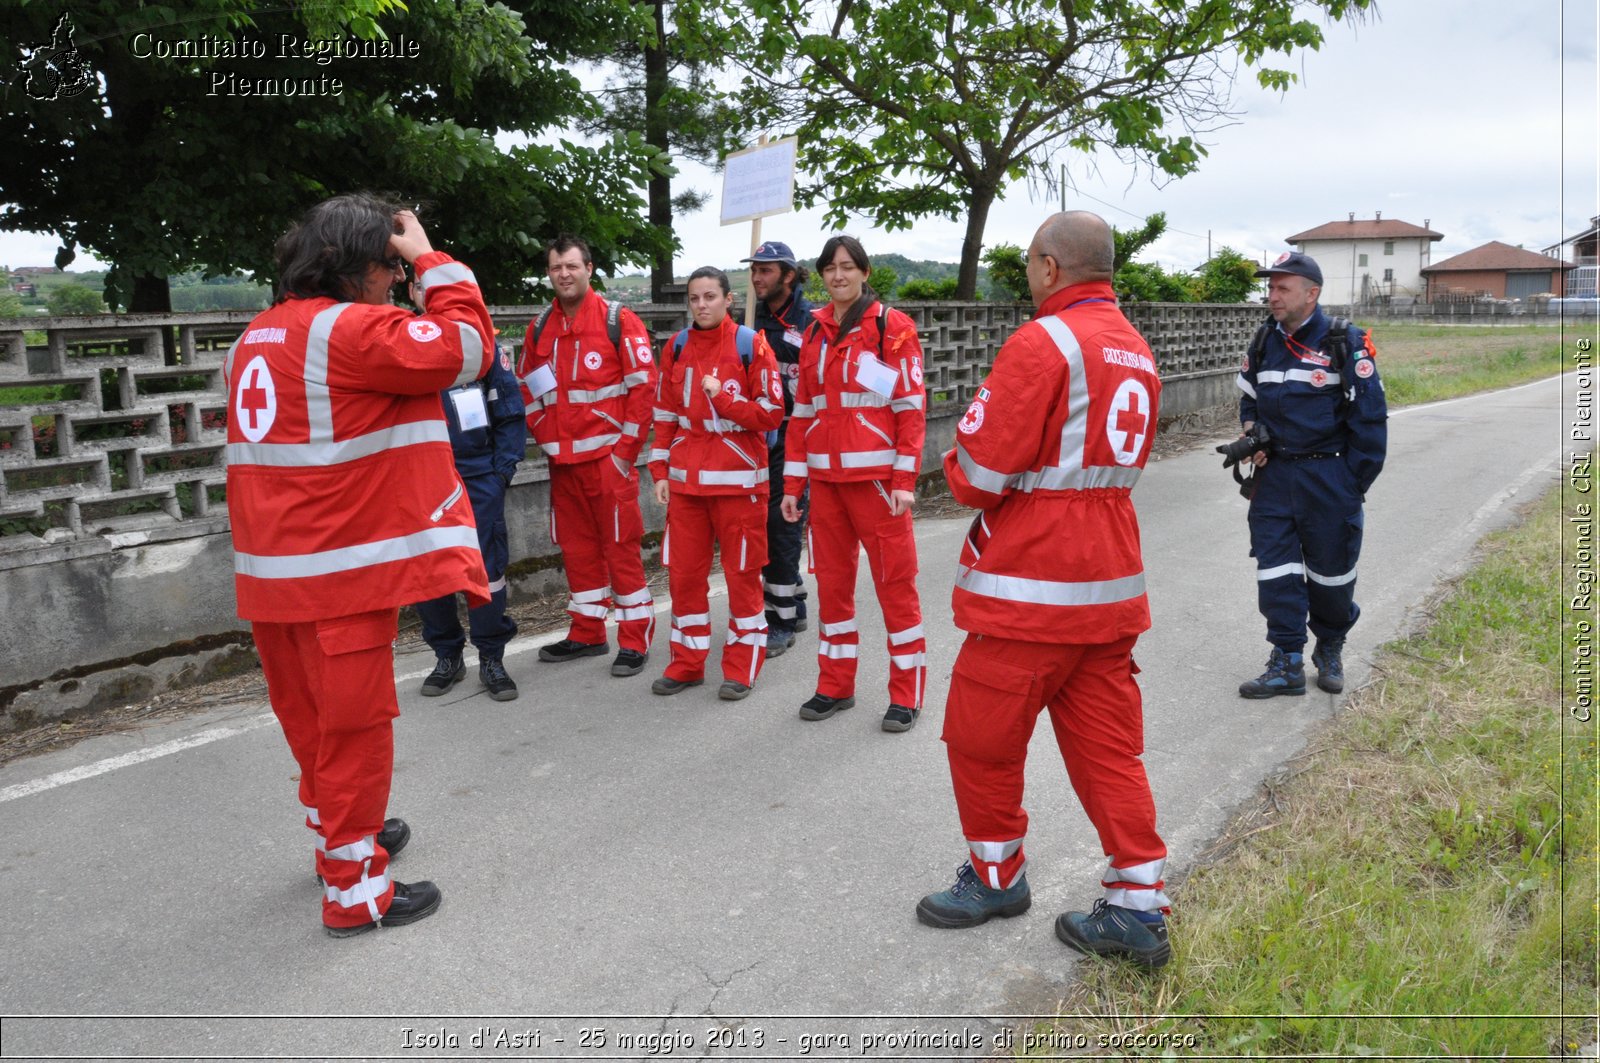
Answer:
(114, 547)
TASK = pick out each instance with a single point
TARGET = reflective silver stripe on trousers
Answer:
(360, 849)
(693, 642)
(835, 651)
(1331, 581)
(497, 585)
(365, 892)
(907, 661)
(362, 555)
(843, 627)
(692, 620)
(304, 455)
(449, 273)
(1138, 900)
(994, 852)
(598, 594)
(1293, 568)
(319, 403)
(1145, 874)
(640, 597)
(910, 634)
(471, 354)
(1049, 592)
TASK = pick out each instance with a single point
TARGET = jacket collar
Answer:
(1059, 300)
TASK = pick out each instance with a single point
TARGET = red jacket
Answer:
(717, 446)
(840, 429)
(1050, 450)
(342, 488)
(601, 401)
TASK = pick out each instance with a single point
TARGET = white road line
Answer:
(178, 745)
(100, 767)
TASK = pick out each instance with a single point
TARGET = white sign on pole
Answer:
(759, 181)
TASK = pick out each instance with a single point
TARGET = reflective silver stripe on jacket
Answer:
(635, 379)
(865, 459)
(869, 399)
(913, 402)
(794, 468)
(304, 455)
(816, 461)
(803, 409)
(449, 273)
(905, 463)
(582, 446)
(739, 478)
(1049, 592)
(362, 555)
(1304, 376)
(319, 401)
(1245, 385)
(471, 354)
(610, 391)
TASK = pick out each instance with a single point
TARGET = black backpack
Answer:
(1336, 344)
(613, 325)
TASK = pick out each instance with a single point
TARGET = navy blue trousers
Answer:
(491, 627)
(1305, 534)
(782, 585)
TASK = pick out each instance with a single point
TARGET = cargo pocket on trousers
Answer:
(991, 710)
(341, 638)
(897, 546)
(752, 548)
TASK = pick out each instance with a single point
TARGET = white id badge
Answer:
(794, 339)
(540, 380)
(875, 376)
(470, 411)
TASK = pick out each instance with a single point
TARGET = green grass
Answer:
(1426, 363)
(1425, 882)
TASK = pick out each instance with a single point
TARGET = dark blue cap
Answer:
(1296, 263)
(773, 251)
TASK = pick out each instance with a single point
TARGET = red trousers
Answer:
(331, 683)
(996, 693)
(595, 520)
(738, 523)
(846, 517)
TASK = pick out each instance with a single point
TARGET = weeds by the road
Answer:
(1423, 881)
(1426, 363)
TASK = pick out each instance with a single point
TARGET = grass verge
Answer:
(1421, 881)
(1426, 363)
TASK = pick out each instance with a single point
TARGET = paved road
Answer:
(606, 852)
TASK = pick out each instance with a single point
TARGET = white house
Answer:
(1369, 261)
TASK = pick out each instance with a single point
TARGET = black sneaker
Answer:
(1285, 674)
(820, 706)
(628, 662)
(1330, 664)
(733, 691)
(778, 642)
(666, 687)
(899, 718)
(567, 650)
(1111, 930)
(492, 674)
(447, 672)
(409, 904)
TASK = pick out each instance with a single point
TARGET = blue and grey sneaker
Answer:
(1330, 665)
(1111, 930)
(1285, 674)
(970, 903)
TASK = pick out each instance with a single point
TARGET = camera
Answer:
(1245, 446)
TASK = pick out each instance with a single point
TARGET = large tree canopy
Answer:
(909, 108)
(184, 153)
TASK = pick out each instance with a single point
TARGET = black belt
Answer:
(1308, 457)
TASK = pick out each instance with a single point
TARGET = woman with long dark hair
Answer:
(717, 397)
(856, 434)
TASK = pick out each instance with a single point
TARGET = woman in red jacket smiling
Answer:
(856, 432)
(717, 397)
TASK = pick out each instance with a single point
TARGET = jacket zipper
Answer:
(748, 460)
(861, 417)
(447, 503)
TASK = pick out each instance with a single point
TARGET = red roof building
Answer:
(1498, 271)
(1368, 261)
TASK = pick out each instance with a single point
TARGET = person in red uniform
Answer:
(346, 505)
(1050, 590)
(856, 433)
(719, 395)
(588, 400)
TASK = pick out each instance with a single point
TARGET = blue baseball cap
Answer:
(1296, 263)
(774, 251)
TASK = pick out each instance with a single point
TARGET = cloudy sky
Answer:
(1476, 116)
